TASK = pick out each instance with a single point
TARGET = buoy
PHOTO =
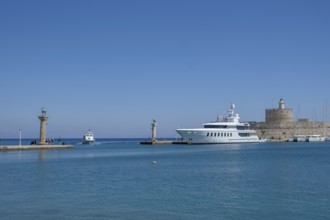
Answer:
(154, 161)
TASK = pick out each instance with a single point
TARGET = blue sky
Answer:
(113, 66)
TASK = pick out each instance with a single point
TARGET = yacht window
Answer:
(242, 127)
(244, 134)
(211, 134)
(207, 134)
(215, 126)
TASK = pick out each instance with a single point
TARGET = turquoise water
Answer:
(121, 179)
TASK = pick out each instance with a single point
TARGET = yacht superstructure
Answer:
(222, 131)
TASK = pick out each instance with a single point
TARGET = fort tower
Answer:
(279, 117)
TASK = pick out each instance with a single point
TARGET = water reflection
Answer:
(42, 155)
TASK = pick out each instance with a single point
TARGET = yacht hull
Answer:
(315, 138)
(88, 142)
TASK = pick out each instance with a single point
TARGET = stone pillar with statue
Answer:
(43, 124)
(153, 129)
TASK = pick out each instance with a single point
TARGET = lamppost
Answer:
(20, 137)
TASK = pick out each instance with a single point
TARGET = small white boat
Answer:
(88, 138)
(299, 138)
(315, 138)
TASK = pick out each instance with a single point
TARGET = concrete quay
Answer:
(33, 147)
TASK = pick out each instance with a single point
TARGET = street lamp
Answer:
(20, 137)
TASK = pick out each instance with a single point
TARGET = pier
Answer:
(42, 144)
(33, 147)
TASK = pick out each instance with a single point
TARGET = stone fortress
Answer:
(280, 126)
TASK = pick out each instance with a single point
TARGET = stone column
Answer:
(43, 123)
(153, 128)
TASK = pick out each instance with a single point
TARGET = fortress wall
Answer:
(278, 133)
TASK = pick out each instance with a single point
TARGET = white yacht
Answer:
(223, 131)
(88, 138)
(315, 138)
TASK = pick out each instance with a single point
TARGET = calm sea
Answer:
(121, 179)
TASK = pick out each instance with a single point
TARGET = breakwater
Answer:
(33, 147)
